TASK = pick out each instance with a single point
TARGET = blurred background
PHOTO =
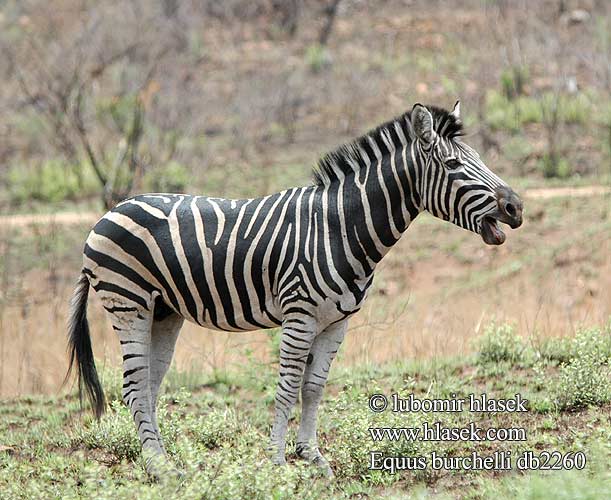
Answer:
(101, 100)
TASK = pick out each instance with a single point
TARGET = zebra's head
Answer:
(455, 185)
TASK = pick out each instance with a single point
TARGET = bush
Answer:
(585, 380)
(114, 433)
(217, 428)
(503, 113)
(51, 181)
(172, 178)
(556, 349)
(594, 344)
(500, 343)
(552, 166)
(582, 383)
(514, 80)
(317, 57)
(500, 112)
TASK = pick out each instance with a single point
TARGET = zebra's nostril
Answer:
(510, 210)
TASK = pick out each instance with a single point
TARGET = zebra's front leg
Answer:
(323, 351)
(296, 341)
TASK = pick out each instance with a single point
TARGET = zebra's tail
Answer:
(79, 348)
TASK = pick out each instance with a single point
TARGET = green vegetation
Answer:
(584, 379)
(514, 80)
(51, 181)
(317, 57)
(583, 363)
(500, 343)
(512, 114)
(172, 178)
(216, 430)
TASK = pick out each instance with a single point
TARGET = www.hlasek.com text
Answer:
(438, 432)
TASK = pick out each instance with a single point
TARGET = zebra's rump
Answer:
(211, 260)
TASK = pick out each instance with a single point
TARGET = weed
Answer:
(500, 343)
(594, 344)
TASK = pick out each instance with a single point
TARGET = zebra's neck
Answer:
(372, 190)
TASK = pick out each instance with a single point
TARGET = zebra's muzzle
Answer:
(509, 207)
(508, 211)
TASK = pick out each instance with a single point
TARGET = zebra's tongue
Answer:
(491, 233)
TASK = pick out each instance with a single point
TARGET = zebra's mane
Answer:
(340, 161)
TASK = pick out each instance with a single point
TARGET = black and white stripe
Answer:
(302, 259)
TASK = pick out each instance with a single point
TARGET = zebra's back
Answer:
(215, 261)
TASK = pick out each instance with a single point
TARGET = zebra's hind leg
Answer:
(133, 323)
(166, 327)
(322, 353)
(296, 341)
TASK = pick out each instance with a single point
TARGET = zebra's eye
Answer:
(452, 164)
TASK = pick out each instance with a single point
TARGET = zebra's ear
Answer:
(456, 111)
(422, 121)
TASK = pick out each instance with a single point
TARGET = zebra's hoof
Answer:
(165, 475)
(160, 469)
(315, 458)
(279, 461)
(276, 455)
(323, 466)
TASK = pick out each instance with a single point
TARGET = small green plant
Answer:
(500, 343)
(317, 57)
(500, 113)
(549, 109)
(190, 379)
(514, 80)
(217, 428)
(557, 350)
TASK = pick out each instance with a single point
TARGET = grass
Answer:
(216, 430)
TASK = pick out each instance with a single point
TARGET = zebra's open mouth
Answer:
(490, 231)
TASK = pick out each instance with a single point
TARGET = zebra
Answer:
(302, 259)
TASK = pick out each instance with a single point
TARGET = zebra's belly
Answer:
(239, 319)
